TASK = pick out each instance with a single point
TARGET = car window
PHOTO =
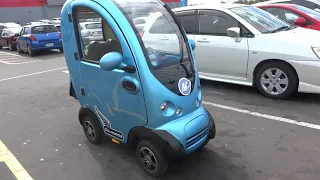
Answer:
(161, 26)
(188, 21)
(308, 11)
(139, 21)
(215, 23)
(284, 14)
(43, 29)
(98, 40)
(22, 31)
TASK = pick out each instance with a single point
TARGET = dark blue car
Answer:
(34, 38)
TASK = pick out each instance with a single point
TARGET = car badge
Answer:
(184, 86)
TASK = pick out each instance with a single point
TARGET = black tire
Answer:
(30, 51)
(12, 48)
(61, 49)
(18, 49)
(291, 76)
(96, 128)
(156, 155)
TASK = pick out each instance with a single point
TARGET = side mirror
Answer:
(192, 43)
(111, 61)
(234, 32)
(300, 21)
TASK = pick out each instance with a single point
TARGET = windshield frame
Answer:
(265, 15)
(144, 49)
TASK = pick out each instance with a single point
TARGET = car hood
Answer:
(15, 30)
(301, 36)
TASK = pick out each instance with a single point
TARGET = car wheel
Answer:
(30, 51)
(93, 130)
(11, 48)
(151, 158)
(61, 49)
(18, 49)
(276, 80)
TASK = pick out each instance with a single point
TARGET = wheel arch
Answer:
(260, 64)
(83, 112)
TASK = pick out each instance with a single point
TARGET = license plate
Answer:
(49, 44)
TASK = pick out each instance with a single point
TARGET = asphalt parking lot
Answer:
(257, 137)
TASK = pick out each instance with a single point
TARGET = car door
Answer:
(107, 93)
(2, 38)
(217, 54)
(188, 20)
(22, 39)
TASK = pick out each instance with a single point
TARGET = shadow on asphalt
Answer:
(238, 91)
(205, 165)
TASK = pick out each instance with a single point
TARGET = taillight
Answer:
(60, 35)
(32, 38)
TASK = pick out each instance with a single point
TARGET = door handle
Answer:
(130, 84)
(164, 38)
(203, 41)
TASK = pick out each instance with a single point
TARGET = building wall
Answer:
(24, 11)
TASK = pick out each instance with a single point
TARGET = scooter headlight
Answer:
(316, 50)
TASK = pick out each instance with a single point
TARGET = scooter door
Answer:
(108, 80)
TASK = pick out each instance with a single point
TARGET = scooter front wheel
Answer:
(151, 158)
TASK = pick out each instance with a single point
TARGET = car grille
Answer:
(195, 138)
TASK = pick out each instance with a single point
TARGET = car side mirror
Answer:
(112, 61)
(300, 21)
(192, 43)
(235, 33)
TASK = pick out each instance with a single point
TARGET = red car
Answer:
(8, 35)
(294, 14)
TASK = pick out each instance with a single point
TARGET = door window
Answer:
(188, 21)
(95, 42)
(22, 31)
(215, 23)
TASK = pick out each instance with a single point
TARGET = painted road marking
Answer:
(14, 59)
(26, 75)
(66, 72)
(13, 164)
(266, 116)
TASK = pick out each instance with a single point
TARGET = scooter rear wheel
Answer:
(151, 158)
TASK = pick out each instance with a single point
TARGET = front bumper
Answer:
(187, 134)
(308, 73)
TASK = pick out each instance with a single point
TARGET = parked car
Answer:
(246, 45)
(56, 20)
(46, 21)
(311, 4)
(294, 15)
(92, 31)
(34, 23)
(8, 36)
(33, 38)
(58, 27)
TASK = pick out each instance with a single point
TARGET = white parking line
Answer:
(26, 75)
(266, 116)
(66, 72)
(10, 54)
(14, 59)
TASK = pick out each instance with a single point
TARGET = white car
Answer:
(248, 46)
(56, 20)
(91, 30)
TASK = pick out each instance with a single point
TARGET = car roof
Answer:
(33, 25)
(271, 2)
(209, 6)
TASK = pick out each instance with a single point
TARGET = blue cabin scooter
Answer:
(133, 72)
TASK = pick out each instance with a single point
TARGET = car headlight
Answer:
(316, 50)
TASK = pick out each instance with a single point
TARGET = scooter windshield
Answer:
(164, 44)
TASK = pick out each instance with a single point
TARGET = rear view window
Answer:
(43, 29)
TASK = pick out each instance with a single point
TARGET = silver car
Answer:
(247, 46)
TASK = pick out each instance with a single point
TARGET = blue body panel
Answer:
(124, 110)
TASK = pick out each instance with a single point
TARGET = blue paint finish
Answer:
(183, 3)
(125, 110)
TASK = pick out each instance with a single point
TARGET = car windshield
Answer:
(308, 11)
(160, 35)
(43, 29)
(93, 26)
(260, 19)
(13, 26)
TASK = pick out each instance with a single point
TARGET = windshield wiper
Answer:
(280, 28)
